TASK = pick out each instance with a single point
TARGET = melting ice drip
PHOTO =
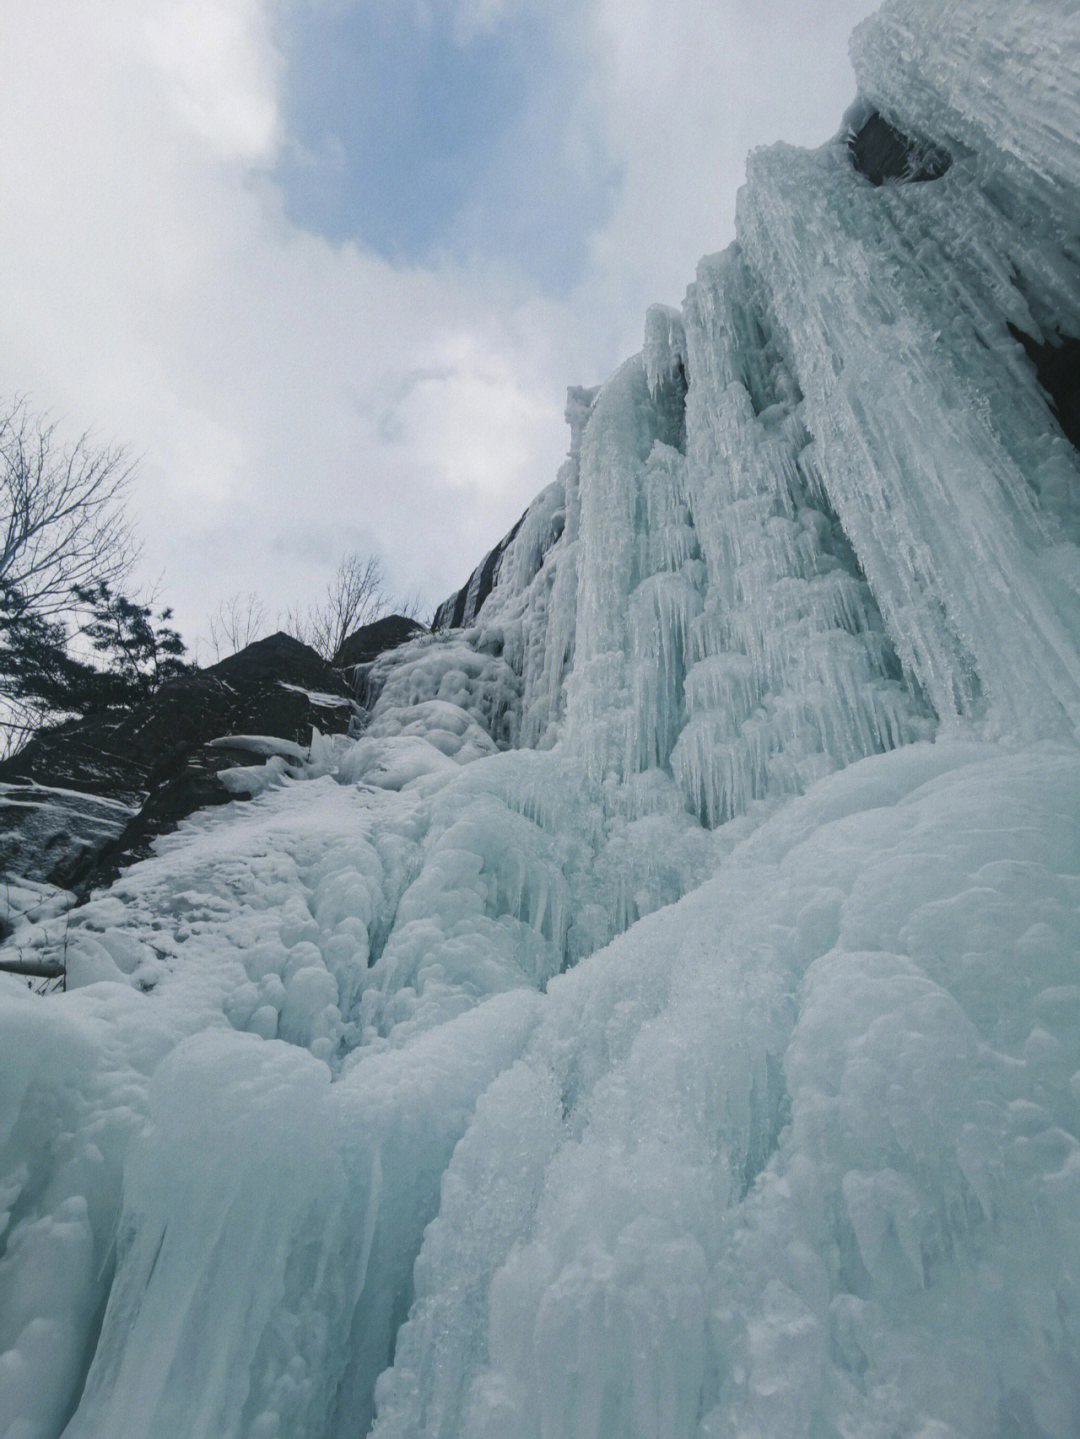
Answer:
(664, 1022)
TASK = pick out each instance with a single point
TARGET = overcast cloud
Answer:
(322, 324)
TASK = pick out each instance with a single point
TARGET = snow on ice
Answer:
(663, 1021)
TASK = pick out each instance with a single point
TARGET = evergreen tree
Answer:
(41, 679)
(36, 670)
(140, 650)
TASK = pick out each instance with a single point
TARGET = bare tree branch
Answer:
(355, 596)
(237, 621)
(62, 521)
(20, 719)
(412, 606)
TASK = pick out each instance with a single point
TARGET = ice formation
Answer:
(663, 1021)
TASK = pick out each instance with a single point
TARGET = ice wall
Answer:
(855, 370)
(682, 611)
(794, 674)
(797, 1156)
(953, 483)
(663, 1022)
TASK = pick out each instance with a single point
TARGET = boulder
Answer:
(366, 644)
(148, 767)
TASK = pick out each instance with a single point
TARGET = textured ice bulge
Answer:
(663, 1021)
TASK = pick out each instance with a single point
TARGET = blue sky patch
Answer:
(411, 143)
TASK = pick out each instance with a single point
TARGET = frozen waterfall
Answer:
(663, 1022)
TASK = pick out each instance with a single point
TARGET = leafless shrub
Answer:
(355, 596)
(237, 622)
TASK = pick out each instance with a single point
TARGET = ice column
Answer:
(639, 568)
(792, 673)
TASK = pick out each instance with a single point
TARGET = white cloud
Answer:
(222, 71)
(151, 289)
(290, 398)
(684, 91)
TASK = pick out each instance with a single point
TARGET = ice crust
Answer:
(663, 1021)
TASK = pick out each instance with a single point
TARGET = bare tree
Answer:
(62, 526)
(237, 621)
(355, 596)
(412, 607)
(20, 719)
(62, 521)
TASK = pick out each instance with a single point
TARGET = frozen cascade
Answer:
(663, 1022)
(793, 673)
(957, 494)
(989, 81)
(624, 471)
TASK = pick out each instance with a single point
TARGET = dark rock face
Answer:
(46, 831)
(366, 644)
(463, 607)
(880, 152)
(262, 689)
(149, 767)
(254, 671)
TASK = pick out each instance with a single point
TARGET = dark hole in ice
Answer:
(669, 404)
(1057, 364)
(881, 152)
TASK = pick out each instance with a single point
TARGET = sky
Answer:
(326, 267)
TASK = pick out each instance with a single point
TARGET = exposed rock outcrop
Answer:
(87, 796)
(366, 644)
(462, 607)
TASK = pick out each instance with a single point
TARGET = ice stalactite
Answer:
(793, 674)
(624, 693)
